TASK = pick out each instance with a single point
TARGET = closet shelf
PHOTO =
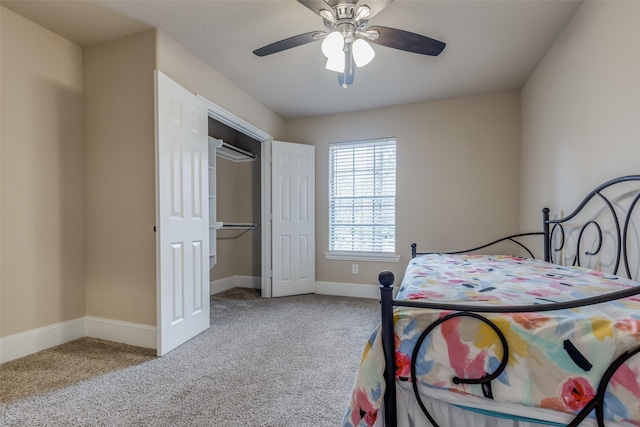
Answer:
(231, 152)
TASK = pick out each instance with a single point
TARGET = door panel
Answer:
(293, 175)
(182, 214)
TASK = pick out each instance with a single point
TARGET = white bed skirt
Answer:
(409, 413)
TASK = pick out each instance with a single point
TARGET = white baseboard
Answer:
(129, 333)
(325, 288)
(252, 282)
(35, 340)
(29, 342)
(25, 343)
(348, 289)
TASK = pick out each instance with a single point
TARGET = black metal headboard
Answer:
(601, 233)
(517, 239)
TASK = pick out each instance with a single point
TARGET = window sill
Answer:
(362, 256)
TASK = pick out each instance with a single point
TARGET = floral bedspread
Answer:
(556, 358)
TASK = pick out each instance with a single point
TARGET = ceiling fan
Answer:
(346, 41)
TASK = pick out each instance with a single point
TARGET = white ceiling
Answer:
(491, 45)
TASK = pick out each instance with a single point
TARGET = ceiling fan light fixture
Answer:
(327, 15)
(363, 53)
(333, 44)
(363, 13)
(336, 63)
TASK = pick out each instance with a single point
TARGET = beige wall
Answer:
(457, 174)
(120, 176)
(42, 184)
(581, 110)
(248, 248)
(457, 159)
(227, 203)
(191, 72)
(238, 200)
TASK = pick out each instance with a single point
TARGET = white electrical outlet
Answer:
(354, 268)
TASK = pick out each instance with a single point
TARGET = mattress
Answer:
(556, 358)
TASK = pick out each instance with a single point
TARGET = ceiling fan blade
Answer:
(375, 6)
(316, 6)
(407, 41)
(289, 43)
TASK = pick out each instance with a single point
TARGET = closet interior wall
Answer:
(238, 199)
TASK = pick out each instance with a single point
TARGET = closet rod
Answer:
(234, 153)
(237, 226)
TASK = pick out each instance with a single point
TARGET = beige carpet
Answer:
(64, 365)
(263, 362)
(237, 294)
(80, 360)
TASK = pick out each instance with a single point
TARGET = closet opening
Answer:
(235, 208)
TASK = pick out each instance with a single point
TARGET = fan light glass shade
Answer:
(336, 63)
(333, 44)
(363, 53)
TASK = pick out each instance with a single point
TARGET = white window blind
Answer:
(362, 196)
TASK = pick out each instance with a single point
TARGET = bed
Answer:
(480, 340)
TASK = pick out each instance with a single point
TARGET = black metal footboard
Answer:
(386, 279)
(604, 235)
(386, 302)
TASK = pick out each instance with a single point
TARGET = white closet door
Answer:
(293, 226)
(182, 214)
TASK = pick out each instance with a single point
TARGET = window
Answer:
(362, 198)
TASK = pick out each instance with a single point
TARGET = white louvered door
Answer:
(182, 215)
(293, 226)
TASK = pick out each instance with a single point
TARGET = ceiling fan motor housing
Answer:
(344, 11)
(346, 21)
